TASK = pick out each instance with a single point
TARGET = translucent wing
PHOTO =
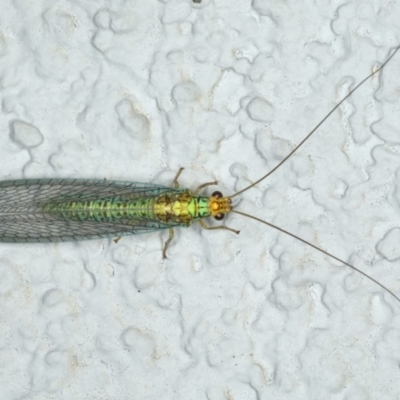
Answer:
(34, 228)
(30, 194)
(22, 218)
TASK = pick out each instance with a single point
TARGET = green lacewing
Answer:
(60, 210)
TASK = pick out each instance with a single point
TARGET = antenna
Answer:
(288, 156)
(320, 250)
(316, 127)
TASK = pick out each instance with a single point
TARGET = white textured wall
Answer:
(224, 88)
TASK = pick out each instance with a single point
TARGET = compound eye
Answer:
(219, 217)
(217, 194)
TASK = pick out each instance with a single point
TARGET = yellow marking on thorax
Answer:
(176, 206)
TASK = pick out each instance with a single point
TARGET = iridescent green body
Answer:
(179, 206)
(51, 210)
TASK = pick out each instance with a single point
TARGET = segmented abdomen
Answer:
(54, 210)
(103, 210)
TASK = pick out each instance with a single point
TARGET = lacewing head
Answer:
(219, 205)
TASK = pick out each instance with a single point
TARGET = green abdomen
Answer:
(178, 208)
(104, 210)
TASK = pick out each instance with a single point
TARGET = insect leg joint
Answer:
(204, 226)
